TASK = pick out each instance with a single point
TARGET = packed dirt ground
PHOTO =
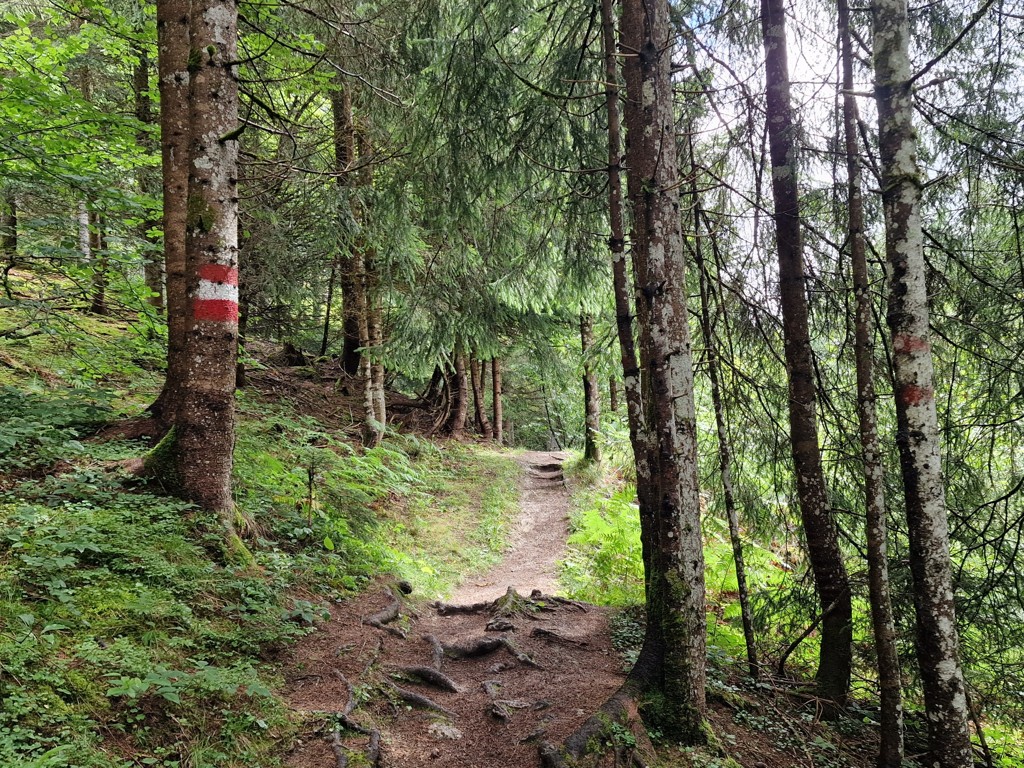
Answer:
(503, 665)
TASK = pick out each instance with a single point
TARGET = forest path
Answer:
(507, 673)
(538, 538)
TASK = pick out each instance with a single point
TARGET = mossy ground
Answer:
(125, 639)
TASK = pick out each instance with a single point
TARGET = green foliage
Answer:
(37, 430)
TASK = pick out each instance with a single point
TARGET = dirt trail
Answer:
(529, 672)
(538, 539)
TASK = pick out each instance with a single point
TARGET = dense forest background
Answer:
(426, 215)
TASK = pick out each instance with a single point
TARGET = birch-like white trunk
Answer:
(918, 432)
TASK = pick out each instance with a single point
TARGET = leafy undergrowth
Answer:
(124, 639)
(773, 720)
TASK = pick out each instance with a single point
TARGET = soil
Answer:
(538, 677)
(504, 705)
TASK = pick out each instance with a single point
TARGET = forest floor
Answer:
(516, 666)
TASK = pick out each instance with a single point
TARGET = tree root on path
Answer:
(341, 752)
(616, 727)
(418, 700)
(384, 617)
(429, 676)
(437, 651)
(554, 637)
(485, 645)
(512, 604)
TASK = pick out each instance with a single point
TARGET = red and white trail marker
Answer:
(217, 297)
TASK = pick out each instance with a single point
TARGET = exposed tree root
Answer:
(602, 733)
(429, 676)
(554, 637)
(553, 603)
(384, 617)
(479, 647)
(341, 752)
(512, 604)
(448, 609)
(418, 700)
(437, 651)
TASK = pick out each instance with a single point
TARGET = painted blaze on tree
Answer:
(196, 458)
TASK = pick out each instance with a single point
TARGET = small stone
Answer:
(435, 754)
(444, 731)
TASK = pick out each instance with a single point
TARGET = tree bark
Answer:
(499, 416)
(173, 33)
(613, 394)
(640, 437)
(100, 265)
(917, 422)
(149, 182)
(826, 560)
(476, 373)
(672, 661)
(344, 262)
(9, 239)
(591, 394)
(459, 396)
(205, 423)
(890, 752)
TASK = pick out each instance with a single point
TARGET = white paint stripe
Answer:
(217, 291)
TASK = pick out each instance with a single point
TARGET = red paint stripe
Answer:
(915, 395)
(909, 344)
(218, 273)
(216, 310)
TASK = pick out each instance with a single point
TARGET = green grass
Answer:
(125, 640)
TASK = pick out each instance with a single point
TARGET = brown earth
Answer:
(504, 704)
(537, 678)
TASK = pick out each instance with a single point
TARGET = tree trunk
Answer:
(371, 431)
(377, 364)
(591, 394)
(476, 373)
(325, 337)
(9, 239)
(724, 452)
(173, 21)
(826, 560)
(205, 424)
(344, 262)
(890, 752)
(459, 396)
(613, 394)
(149, 182)
(499, 424)
(917, 423)
(639, 435)
(100, 265)
(672, 661)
